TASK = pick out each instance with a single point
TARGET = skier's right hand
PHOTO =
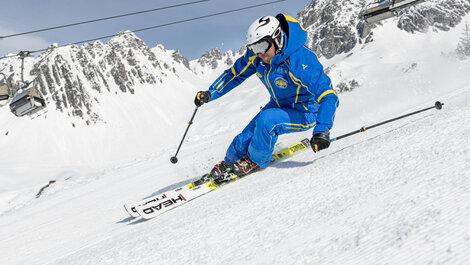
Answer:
(320, 141)
(202, 97)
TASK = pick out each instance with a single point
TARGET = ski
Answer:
(163, 202)
(131, 210)
(178, 198)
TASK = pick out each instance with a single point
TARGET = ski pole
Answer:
(173, 159)
(438, 105)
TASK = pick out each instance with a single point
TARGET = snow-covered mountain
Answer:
(105, 102)
(116, 111)
(335, 27)
(213, 62)
(433, 15)
(74, 79)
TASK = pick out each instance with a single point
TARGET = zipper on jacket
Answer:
(266, 78)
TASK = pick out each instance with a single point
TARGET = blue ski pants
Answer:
(258, 138)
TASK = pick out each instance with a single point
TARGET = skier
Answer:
(302, 96)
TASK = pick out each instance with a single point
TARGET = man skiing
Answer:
(302, 96)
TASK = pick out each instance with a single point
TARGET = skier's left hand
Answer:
(202, 97)
(320, 141)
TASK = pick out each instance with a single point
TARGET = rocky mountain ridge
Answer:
(215, 59)
(334, 26)
(72, 78)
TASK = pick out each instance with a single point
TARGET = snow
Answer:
(396, 194)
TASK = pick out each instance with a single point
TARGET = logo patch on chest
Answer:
(280, 82)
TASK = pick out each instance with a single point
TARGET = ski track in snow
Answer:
(396, 194)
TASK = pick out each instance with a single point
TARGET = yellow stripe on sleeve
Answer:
(329, 91)
(250, 61)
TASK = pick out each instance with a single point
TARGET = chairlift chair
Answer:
(27, 102)
(384, 9)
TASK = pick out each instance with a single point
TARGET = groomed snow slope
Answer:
(397, 194)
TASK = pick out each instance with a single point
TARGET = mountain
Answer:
(214, 62)
(334, 26)
(73, 79)
(102, 100)
(433, 15)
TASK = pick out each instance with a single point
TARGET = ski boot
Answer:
(216, 172)
(244, 166)
(219, 169)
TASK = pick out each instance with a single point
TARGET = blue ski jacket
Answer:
(294, 78)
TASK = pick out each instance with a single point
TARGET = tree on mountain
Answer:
(463, 47)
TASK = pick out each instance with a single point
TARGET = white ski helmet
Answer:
(264, 29)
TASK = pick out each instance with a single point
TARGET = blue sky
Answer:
(192, 38)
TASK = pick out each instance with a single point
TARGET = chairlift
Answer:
(383, 9)
(4, 91)
(27, 101)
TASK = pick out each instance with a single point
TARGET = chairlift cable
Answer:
(101, 19)
(157, 26)
(206, 16)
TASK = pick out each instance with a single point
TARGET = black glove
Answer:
(320, 141)
(202, 97)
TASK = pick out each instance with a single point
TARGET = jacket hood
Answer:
(295, 37)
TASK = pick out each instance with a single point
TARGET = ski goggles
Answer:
(261, 46)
